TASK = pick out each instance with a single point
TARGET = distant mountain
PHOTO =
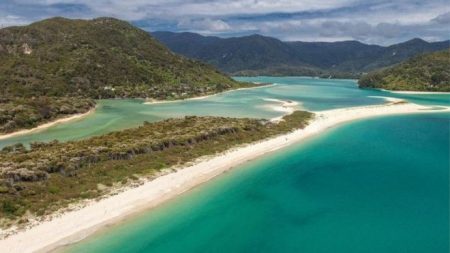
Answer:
(103, 57)
(253, 52)
(349, 56)
(258, 54)
(399, 52)
(427, 72)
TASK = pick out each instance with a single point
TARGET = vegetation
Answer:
(18, 113)
(283, 70)
(261, 55)
(428, 72)
(51, 60)
(49, 176)
(99, 58)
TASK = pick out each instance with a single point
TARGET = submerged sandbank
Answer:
(73, 226)
(285, 106)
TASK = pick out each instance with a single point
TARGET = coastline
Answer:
(153, 102)
(416, 92)
(75, 225)
(47, 125)
(287, 107)
(420, 92)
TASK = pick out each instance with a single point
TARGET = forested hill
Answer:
(427, 72)
(54, 68)
(98, 58)
(258, 54)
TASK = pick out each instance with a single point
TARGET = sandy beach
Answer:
(47, 125)
(416, 92)
(75, 225)
(420, 92)
(287, 107)
(153, 102)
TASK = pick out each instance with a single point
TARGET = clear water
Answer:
(311, 93)
(378, 185)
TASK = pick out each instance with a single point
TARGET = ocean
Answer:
(373, 185)
(377, 185)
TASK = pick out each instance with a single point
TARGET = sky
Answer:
(382, 22)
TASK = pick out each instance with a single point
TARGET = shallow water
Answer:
(378, 185)
(312, 94)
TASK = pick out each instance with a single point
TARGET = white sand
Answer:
(75, 225)
(47, 125)
(415, 92)
(420, 92)
(154, 101)
(285, 106)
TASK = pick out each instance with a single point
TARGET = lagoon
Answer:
(311, 94)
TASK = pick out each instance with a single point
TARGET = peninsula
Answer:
(181, 158)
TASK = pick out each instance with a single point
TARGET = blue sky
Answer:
(372, 21)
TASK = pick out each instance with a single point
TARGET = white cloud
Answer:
(379, 21)
(12, 20)
(136, 8)
(205, 25)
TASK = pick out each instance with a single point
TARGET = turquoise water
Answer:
(378, 185)
(111, 115)
(311, 93)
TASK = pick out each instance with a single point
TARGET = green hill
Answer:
(98, 58)
(262, 55)
(427, 72)
(54, 68)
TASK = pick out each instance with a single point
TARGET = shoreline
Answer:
(47, 125)
(154, 102)
(73, 226)
(286, 107)
(420, 92)
(416, 92)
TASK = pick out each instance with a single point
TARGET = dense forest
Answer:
(427, 72)
(263, 55)
(19, 113)
(99, 58)
(48, 176)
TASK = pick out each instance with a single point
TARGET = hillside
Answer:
(18, 113)
(427, 72)
(258, 54)
(45, 63)
(98, 58)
